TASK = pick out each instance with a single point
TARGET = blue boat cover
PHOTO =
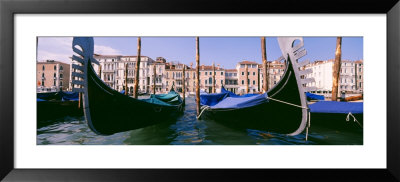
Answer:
(169, 99)
(39, 100)
(311, 96)
(48, 96)
(58, 96)
(241, 102)
(212, 99)
(69, 96)
(227, 99)
(336, 107)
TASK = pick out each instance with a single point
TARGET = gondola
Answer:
(338, 116)
(282, 109)
(55, 105)
(106, 110)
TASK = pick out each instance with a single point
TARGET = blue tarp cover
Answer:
(69, 96)
(211, 99)
(241, 102)
(169, 99)
(57, 96)
(336, 107)
(311, 96)
(227, 99)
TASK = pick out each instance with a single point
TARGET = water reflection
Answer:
(187, 130)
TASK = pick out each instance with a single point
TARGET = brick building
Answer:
(52, 76)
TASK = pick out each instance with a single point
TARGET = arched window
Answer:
(54, 75)
(43, 67)
(61, 68)
(55, 67)
(42, 75)
(210, 80)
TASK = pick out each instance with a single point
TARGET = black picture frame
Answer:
(9, 8)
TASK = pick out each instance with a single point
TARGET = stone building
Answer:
(350, 79)
(113, 72)
(231, 80)
(52, 76)
(206, 78)
(159, 76)
(174, 76)
(276, 69)
(359, 75)
(252, 79)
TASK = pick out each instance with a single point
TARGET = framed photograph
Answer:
(199, 105)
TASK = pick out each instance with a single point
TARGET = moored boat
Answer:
(108, 111)
(282, 109)
(54, 105)
(339, 116)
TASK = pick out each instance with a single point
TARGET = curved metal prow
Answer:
(83, 48)
(293, 53)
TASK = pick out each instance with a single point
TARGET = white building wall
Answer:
(323, 75)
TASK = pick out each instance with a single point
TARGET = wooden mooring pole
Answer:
(183, 84)
(126, 78)
(247, 80)
(137, 69)
(154, 79)
(197, 76)
(265, 64)
(100, 71)
(213, 78)
(336, 68)
(80, 100)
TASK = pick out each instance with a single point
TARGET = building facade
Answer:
(276, 69)
(253, 78)
(350, 79)
(52, 76)
(169, 74)
(112, 68)
(231, 80)
(174, 77)
(206, 78)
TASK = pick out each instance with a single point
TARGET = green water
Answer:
(187, 130)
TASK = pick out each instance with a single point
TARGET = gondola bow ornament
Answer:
(83, 48)
(293, 52)
(281, 109)
(108, 111)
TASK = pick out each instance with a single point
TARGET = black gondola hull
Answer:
(338, 121)
(270, 116)
(49, 111)
(108, 111)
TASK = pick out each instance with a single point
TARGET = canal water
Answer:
(187, 130)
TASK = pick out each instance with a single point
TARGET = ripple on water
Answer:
(186, 130)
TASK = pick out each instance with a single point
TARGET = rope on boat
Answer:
(355, 120)
(308, 123)
(308, 112)
(288, 103)
(204, 108)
